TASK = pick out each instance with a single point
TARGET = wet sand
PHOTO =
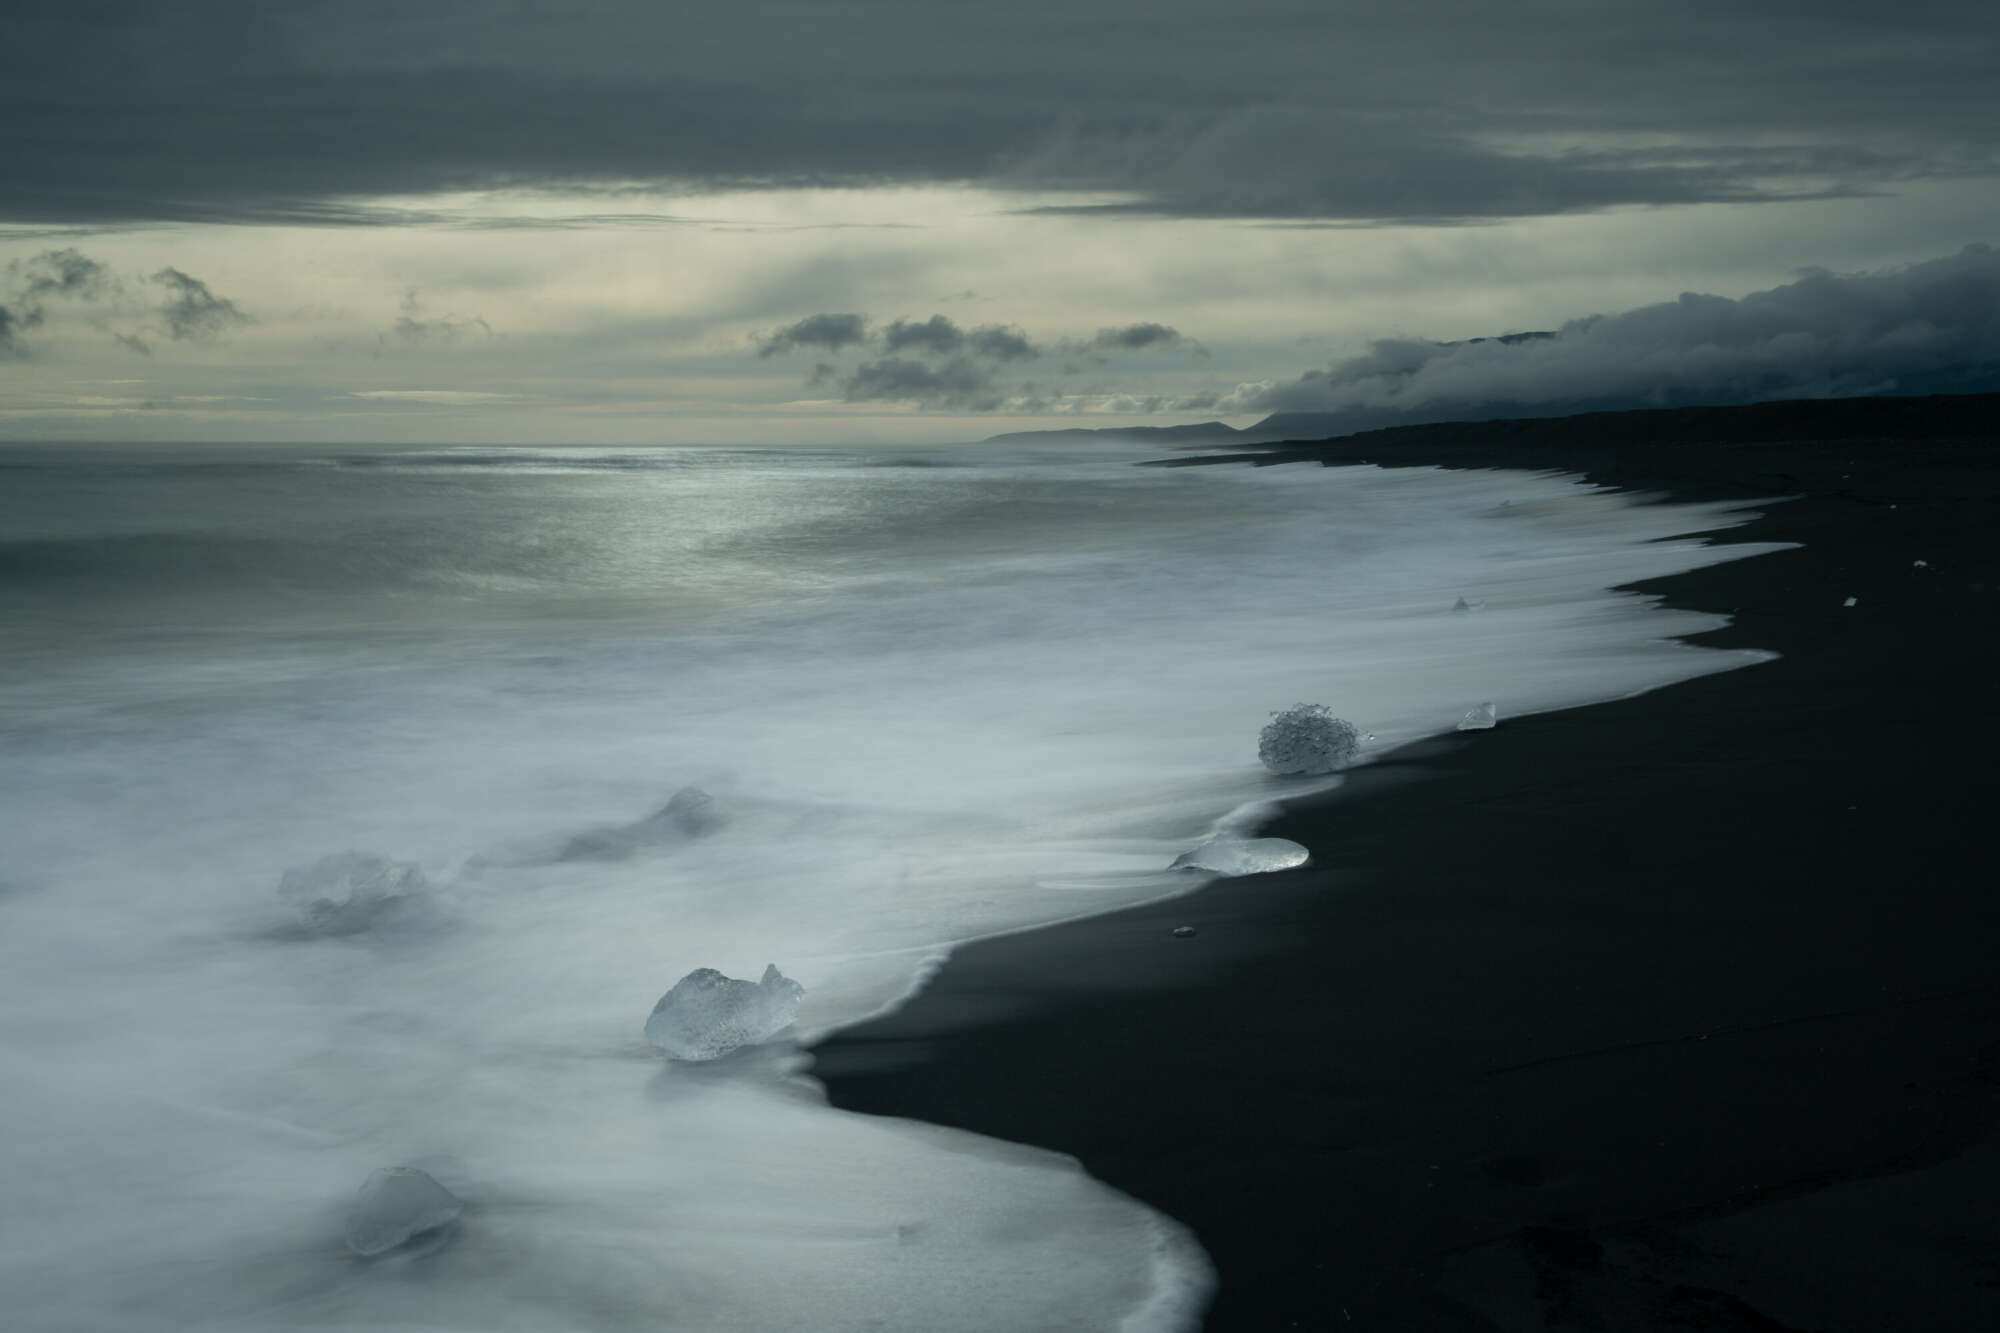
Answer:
(1676, 1012)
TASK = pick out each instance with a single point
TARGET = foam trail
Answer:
(931, 704)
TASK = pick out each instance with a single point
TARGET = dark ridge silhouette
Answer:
(1929, 416)
(1932, 417)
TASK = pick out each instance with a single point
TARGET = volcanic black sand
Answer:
(1679, 1012)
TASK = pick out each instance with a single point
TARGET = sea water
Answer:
(932, 695)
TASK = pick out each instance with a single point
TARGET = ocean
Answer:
(933, 695)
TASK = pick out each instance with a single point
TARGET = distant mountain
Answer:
(1960, 416)
(1967, 383)
(1970, 377)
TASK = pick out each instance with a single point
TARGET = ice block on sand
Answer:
(350, 892)
(396, 1205)
(707, 1015)
(1307, 738)
(1244, 856)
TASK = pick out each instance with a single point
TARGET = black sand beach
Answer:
(1678, 1012)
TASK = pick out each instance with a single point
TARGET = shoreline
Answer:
(1666, 1012)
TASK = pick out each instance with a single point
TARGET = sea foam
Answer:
(935, 703)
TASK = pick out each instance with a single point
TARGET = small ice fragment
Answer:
(1243, 856)
(1481, 718)
(349, 892)
(688, 813)
(1920, 564)
(707, 1015)
(1852, 601)
(1307, 738)
(396, 1205)
(1183, 932)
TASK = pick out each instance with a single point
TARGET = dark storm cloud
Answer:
(295, 110)
(1931, 327)
(192, 312)
(1000, 343)
(8, 324)
(940, 336)
(831, 332)
(1137, 337)
(968, 380)
(52, 275)
(64, 273)
(937, 335)
(959, 382)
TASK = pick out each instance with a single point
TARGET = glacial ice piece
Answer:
(1481, 718)
(1184, 932)
(1852, 601)
(396, 1205)
(707, 1015)
(1307, 738)
(688, 813)
(1243, 856)
(350, 892)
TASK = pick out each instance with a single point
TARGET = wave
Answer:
(980, 699)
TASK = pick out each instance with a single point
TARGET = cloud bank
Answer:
(830, 332)
(293, 110)
(70, 281)
(936, 362)
(1931, 327)
(194, 313)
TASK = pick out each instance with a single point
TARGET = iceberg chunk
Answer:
(688, 813)
(1244, 856)
(350, 892)
(707, 1015)
(398, 1204)
(1307, 738)
(1481, 718)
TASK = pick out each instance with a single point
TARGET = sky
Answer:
(826, 221)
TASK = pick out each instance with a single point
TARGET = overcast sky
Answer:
(608, 221)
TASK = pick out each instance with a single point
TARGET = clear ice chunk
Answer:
(1307, 738)
(1244, 856)
(1481, 718)
(688, 813)
(350, 892)
(396, 1205)
(707, 1015)
(1852, 601)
